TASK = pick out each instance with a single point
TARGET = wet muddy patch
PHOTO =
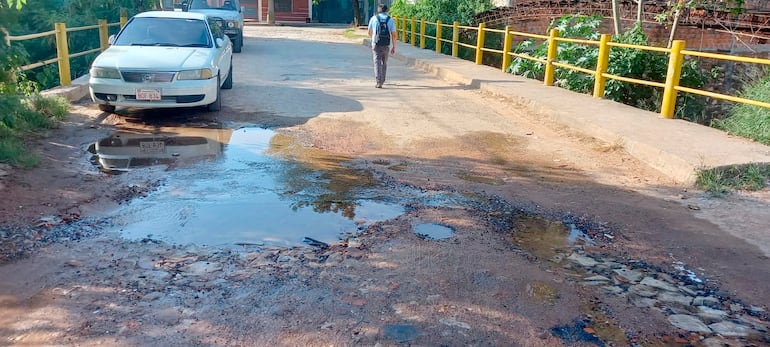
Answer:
(251, 186)
(688, 301)
(432, 231)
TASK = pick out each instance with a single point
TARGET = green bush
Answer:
(749, 121)
(448, 11)
(631, 63)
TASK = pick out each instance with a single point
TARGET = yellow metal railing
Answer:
(677, 52)
(63, 55)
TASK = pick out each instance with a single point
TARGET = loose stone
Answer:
(649, 281)
(629, 275)
(582, 260)
(639, 301)
(454, 323)
(669, 297)
(706, 301)
(711, 314)
(615, 290)
(687, 291)
(642, 290)
(689, 323)
(201, 268)
(730, 329)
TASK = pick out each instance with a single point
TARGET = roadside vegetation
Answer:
(722, 181)
(448, 11)
(743, 120)
(750, 121)
(639, 64)
(24, 111)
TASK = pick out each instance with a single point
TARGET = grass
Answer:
(748, 121)
(22, 117)
(722, 181)
(352, 33)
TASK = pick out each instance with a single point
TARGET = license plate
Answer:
(152, 147)
(147, 94)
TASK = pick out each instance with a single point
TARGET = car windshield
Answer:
(168, 32)
(212, 4)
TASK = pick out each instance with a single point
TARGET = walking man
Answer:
(382, 29)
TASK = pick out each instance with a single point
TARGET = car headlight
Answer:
(199, 74)
(232, 24)
(104, 72)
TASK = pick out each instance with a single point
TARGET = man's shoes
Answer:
(378, 85)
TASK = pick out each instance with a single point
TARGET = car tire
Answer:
(229, 80)
(238, 44)
(107, 108)
(217, 104)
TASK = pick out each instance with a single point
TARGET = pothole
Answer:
(432, 231)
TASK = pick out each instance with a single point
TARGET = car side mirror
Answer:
(185, 6)
(111, 39)
(220, 42)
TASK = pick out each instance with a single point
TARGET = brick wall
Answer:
(696, 38)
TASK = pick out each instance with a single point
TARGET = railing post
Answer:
(403, 29)
(507, 43)
(675, 59)
(480, 43)
(422, 33)
(455, 37)
(63, 55)
(602, 63)
(552, 50)
(103, 35)
(413, 40)
(123, 17)
(7, 37)
(438, 36)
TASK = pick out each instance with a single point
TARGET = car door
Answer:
(222, 54)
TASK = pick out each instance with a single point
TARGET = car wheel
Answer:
(217, 104)
(229, 80)
(238, 44)
(107, 108)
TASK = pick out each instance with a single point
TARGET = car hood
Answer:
(154, 58)
(224, 14)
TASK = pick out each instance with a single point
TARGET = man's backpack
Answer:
(383, 34)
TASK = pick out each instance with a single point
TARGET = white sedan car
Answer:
(164, 59)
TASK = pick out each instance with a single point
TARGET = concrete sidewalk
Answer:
(675, 147)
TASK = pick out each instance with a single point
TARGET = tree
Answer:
(639, 11)
(677, 6)
(616, 16)
(356, 13)
(10, 4)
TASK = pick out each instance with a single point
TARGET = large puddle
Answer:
(248, 186)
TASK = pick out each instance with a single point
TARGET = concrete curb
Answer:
(677, 148)
(74, 92)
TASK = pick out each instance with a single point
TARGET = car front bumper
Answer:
(188, 93)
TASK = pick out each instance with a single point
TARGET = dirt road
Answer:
(554, 238)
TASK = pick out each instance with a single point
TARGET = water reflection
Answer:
(265, 189)
(126, 150)
(432, 231)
